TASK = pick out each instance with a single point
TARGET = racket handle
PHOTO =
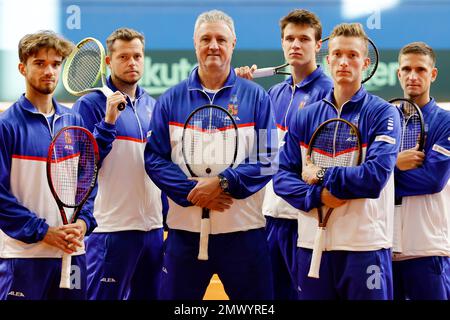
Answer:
(397, 241)
(319, 242)
(121, 106)
(65, 271)
(264, 72)
(204, 238)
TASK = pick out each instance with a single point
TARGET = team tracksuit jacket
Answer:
(126, 198)
(424, 216)
(287, 100)
(251, 108)
(27, 207)
(365, 222)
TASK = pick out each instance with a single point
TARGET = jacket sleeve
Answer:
(167, 175)
(16, 220)
(433, 175)
(287, 182)
(256, 170)
(368, 179)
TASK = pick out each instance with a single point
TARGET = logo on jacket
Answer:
(233, 106)
(16, 294)
(303, 102)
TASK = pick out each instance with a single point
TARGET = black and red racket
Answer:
(335, 143)
(71, 173)
(209, 146)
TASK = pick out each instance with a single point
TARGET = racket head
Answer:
(336, 142)
(209, 141)
(84, 67)
(72, 165)
(413, 124)
(372, 53)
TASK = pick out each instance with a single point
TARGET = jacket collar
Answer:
(139, 90)
(194, 82)
(310, 78)
(28, 106)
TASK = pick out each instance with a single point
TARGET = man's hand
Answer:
(220, 203)
(208, 194)
(207, 189)
(112, 103)
(246, 72)
(410, 159)
(309, 172)
(329, 200)
(75, 234)
(56, 237)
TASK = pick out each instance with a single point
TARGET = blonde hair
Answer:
(31, 43)
(125, 34)
(214, 16)
(351, 30)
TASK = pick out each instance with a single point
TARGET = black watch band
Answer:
(321, 174)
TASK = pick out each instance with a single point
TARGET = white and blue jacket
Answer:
(287, 99)
(27, 206)
(252, 170)
(365, 222)
(125, 198)
(424, 216)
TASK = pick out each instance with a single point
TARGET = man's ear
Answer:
(434, 73)
(22, 68)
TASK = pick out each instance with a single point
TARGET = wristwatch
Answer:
(223, 182)
(321, 174)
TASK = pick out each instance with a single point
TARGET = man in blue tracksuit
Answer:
(356, 262)
(32, 237)
(421, 259)
(301, 31)
(124, 254)
(238, 250)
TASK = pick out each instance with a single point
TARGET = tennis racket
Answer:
(209, 146)
(335, 143)
(85, 67)
(71, 173)
(321, 60)
(412, 135)
(413, 125)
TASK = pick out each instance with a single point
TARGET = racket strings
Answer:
(73, 166)
(209, 142)
(411, 124)
(335, 144)
(85, 67)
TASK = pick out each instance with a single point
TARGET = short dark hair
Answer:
(302, 17)
(31, 43)
(418, 47)
(125, 34)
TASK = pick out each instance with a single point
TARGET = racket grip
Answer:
(319, 242)
(204, 238)
(397, 241)
(121, 106)
(65, 271)
(264, 72)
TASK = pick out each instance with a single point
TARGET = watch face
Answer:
(223, 183)
(320, 173)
